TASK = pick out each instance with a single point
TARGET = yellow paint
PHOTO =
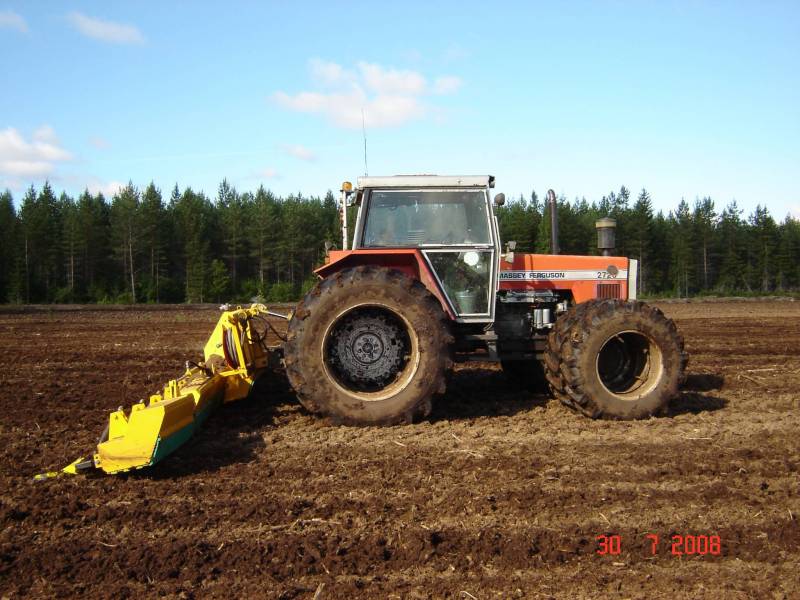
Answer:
(133, 436)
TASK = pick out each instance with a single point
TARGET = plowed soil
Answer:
(502, 493)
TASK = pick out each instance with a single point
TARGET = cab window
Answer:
(426, 218)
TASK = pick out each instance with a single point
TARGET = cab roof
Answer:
(426, 181)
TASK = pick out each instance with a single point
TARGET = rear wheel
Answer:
(615, 359)
(368, 346)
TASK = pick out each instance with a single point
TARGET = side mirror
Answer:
(509, 255)
(354, 198)
(500, 199)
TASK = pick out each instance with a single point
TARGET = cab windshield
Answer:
(426, 218)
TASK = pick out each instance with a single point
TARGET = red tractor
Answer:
(426, 284)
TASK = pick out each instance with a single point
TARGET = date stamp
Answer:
(675, 545)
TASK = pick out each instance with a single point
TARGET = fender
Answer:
(409, 261)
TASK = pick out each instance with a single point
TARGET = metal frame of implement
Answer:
(234, 356)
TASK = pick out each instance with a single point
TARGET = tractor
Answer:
(425, 284)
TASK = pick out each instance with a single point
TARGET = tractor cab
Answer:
(449, 220)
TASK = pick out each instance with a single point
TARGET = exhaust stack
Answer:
(551, 201)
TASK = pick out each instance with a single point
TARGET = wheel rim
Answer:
(368, 351)
(629, 364)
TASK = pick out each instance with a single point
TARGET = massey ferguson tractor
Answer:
(427, 283)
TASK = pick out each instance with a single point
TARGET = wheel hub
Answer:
(624, 362)
(367, 349)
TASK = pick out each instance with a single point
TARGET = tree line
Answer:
(142, 247)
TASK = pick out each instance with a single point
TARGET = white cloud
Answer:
(329, 73)
(447, 84)
(300, 152)
(107, 188)
(105, 31)
(372, 76)
(46, 135)
(391, 81)
(344, 109)
(268, 173)
(794, 210)
(35, 158)
(99, 143)
(11, 20)
(388, 97)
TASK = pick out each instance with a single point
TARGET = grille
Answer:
(608, 290)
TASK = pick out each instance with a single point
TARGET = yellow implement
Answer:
(234, 356)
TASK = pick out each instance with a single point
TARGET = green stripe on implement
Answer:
(168, 445)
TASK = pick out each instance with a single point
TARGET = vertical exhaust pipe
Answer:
(551, 202)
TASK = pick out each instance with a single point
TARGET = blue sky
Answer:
(686, 99)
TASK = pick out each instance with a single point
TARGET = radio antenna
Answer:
(364, 132)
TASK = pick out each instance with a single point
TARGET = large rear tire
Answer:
(368, 346)
(615, 359)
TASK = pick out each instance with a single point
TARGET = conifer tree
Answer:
(519, 221)
(8, 244)
(154, 233)
(263, 233)
(71, 245)
(788, 254)
(233, 216)
(40, 229)
(681, 244)
(730, 228)
(704, 218)
(762, 242)
(125, 224)
(192, 214)
(219, 282)
(640, 230)
(94, 216)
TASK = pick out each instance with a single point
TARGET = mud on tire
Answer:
(369, 346)
(615, 359)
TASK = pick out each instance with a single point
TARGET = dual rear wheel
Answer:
(615, 359)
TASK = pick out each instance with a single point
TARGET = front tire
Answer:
(615, 359)
(368, 346)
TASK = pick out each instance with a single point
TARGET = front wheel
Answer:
(615, 359)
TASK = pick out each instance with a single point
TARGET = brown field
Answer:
(500, 494)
